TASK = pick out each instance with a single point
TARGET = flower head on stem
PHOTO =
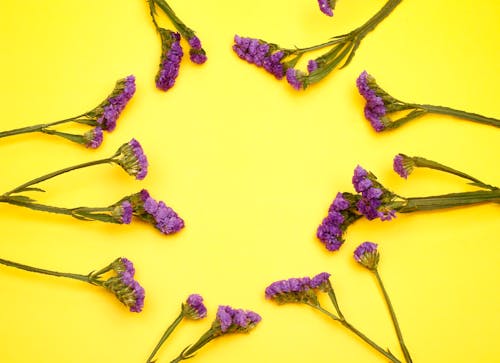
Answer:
(194, 308)
(170, 59)
(367, 255)
(327, 6)
(93, 138)
(298, 290)
(131, 158)
(403, 165)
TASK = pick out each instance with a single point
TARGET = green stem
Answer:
(447, 201)
(426, 163)
(402, 344)
(190, 350)
(367, 27)
(45, 272)
(36, 128)
(165, 335)
(179, 25)
(367, 340)
(58, 172)
(333, 298)
(460, 114)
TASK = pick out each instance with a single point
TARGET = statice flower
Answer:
(171, 48)
(170, 59)
(299, 290)
(403, 165)
(157, 213)
(194, 308)
(367, 255)
(327, 6)
(132, 159)
(281, 61)
(380, 106)
(101, 117)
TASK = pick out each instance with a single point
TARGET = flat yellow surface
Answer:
(252, 166)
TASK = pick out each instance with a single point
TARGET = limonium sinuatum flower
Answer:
(367, 255)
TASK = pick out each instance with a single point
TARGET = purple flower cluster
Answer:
(312, 65)
(133, 160)
(114, 105)
(375, 108)
(295, 78)
(162, 216)
(333, 225)
(194, 308)
(231, 320)
(298, 289)
(261, 54)
(93, 138)
(403, 165)
(125, 287)
(326, 6)
(196, 53)
(126, 215)
(371, 199)
(170, 59)
(367, 255)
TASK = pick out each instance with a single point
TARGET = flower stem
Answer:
(45, 272)
(377, 18)
(165, 335)
(404, 349)
(36, 128)
(447, 201)
(190, 350)
(460, 114)
(179, 25)
(367, 340)
(58, 172)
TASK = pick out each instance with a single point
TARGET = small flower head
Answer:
(298, 290)
(327, 6)
(122, 213)
(93, 138)
(296, 78)
(108, 111)
(312, 65)
(156, 213)
(123, 285)
(260, 53)
(132, 159)
(229, 320)
(403, 165)
(367, 255)
(170, 59)
(194, 308)
(196, 53)
(375, 108)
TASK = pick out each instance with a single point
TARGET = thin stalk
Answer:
(367, 340)
(461, 114)
(45, 272)
(58, 172)
(165, 335)
(367, 27)
(36, 128)
(394, 319)
(179, 25)
(190, 350)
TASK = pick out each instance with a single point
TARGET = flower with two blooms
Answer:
(101, 118)
(375, 201)
(118, 278)
(281, 62)
(381, 107)
(228, 321)
(172, 52)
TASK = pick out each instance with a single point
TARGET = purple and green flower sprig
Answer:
(131, 158)
(374, 201)
(306, 290)
(117, 278)
(381, 108)
(101, 118)
(227, 321)
(281, 62)
(192, 309)
(172, 52)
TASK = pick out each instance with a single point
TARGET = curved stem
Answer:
(367, 340)
(56, 173)
(35, 128)
(165, 335)
(394, 319)
(43, 271)
(461, 114)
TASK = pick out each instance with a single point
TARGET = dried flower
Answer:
(194, 308)
(380, 105)
(298, 290)
(280, 61)
(367, 255)
(196, 53)
(132, 159)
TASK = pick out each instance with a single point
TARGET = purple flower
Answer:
(125, 212)
(320, 281)
(230, 320)
(93, 138)
(157, 213)
(296, 290)
(115, 103)
(375, 109)
(295, 78)
(403, 165)
(170, 59)
(224, 317)
(261, 54)
(330, 234)
(197, 56)
(312, 65)
(326, 6)
(194, 308)
(132, 159)
(339, 203)
(367, 255)
(194, 42)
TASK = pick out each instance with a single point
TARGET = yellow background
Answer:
(252, 166)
